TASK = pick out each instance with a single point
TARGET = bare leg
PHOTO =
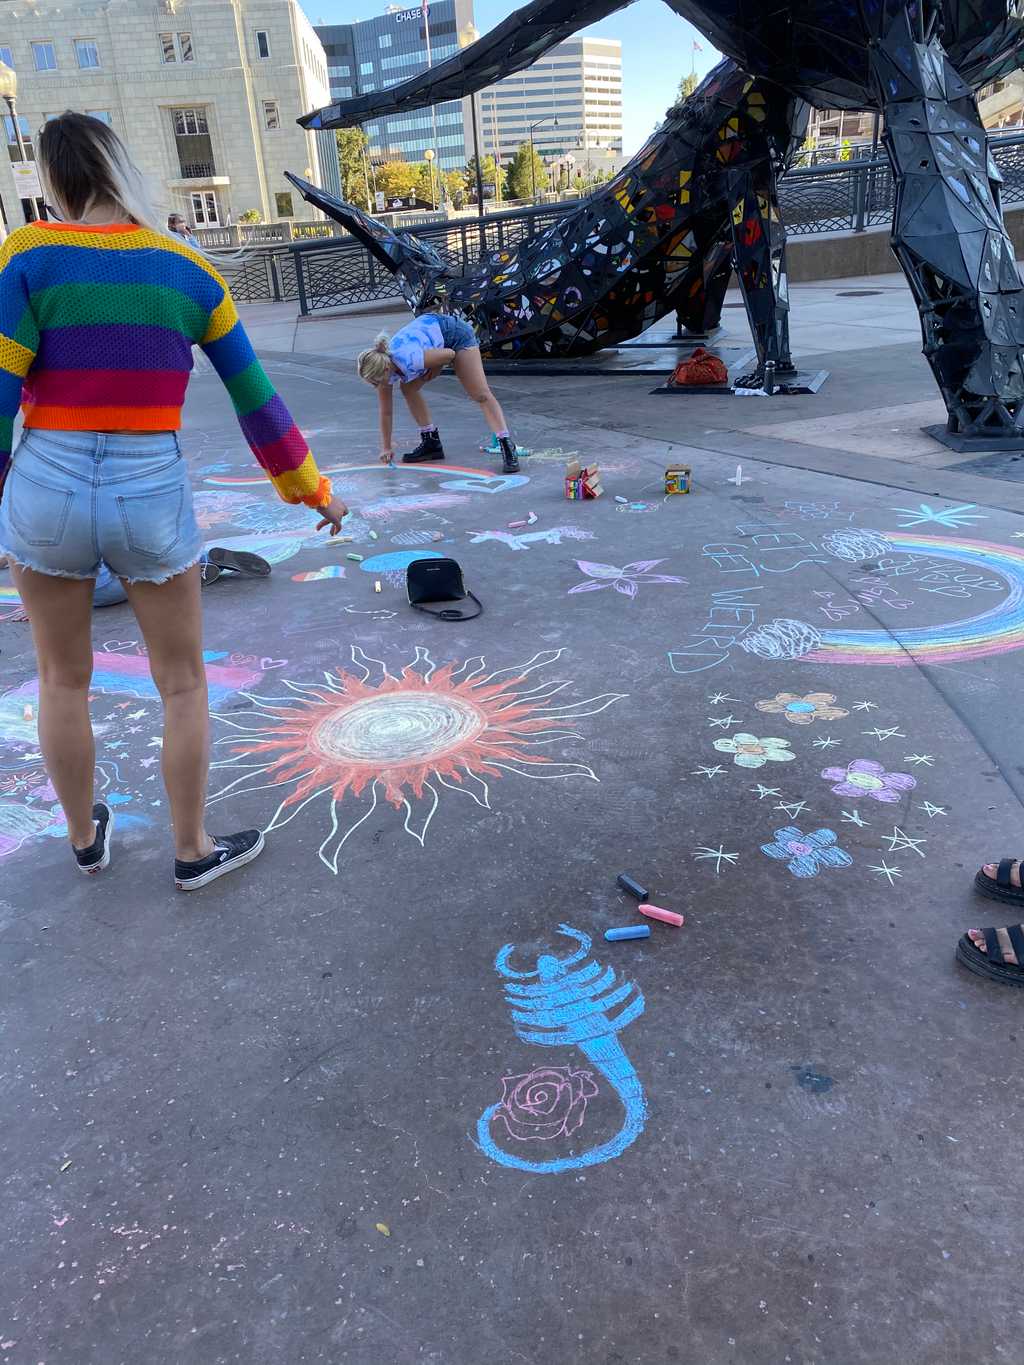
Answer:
(60, 614)
(171, 619)
(469, 371)
(416, 403)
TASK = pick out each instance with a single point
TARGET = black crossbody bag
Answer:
(429, 581)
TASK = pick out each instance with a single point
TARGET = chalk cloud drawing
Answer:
(626, 580)
(562, 1004)
(806, 854)
(866, 778)
(400, 738)
(853, 544)
(799, 710)
(782, 638)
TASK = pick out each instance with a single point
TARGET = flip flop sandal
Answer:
(992, 964)
(1001, 889)
(241, 562)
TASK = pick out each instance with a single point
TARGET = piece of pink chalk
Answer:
(514, 525)
(656, 912)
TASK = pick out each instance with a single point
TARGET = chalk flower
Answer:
(750, 752)
(806, 854)
(802, 710)
(865, 777)
(546, 1103)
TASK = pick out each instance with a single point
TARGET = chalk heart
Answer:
(267, 664)
(118, 646)
(499, 484)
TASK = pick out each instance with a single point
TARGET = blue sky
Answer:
(656, 51)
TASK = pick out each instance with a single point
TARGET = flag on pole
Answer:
(425, 8)
(696, 46)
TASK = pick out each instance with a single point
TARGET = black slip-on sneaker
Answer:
(229, 851)
(242, 562)
(97, 856)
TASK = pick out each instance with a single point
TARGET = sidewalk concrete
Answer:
(309, 1116)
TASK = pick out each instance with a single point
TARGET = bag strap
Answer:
(451, 613)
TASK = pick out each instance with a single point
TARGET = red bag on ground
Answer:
(701, 368)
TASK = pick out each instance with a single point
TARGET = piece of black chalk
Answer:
(633, 887)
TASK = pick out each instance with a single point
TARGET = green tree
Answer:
(687, 86)
(352, 144)
(524, 172)
(396, 179)
(489, 173)
(845, 149)
(250, 216)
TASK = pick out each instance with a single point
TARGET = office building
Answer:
(376, 53)
(204, 95)
(579, 82)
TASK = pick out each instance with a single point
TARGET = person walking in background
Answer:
(415, 355)
(98, 315)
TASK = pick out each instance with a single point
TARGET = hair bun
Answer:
(381, 343)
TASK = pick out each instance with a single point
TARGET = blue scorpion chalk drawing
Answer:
(560, 1005)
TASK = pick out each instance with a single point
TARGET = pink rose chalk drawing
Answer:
(561, 1004)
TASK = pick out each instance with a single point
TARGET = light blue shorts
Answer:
(456, 332)
(75, 498)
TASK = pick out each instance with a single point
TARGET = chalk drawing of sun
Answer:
(370, 736)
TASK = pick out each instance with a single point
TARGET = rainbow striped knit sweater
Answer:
(97, 326)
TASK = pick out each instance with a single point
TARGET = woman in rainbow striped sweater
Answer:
(99, 312)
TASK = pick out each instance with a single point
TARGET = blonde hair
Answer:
(374, 364)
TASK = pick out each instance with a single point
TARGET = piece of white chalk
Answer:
(618, 499)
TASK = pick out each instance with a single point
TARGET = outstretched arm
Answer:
(515, 43)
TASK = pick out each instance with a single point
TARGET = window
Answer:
(87, 54)
(190, 122)
(103, 115)
(262, 44)
(204, 209)
(271, 117)
(366, 68)
(44, 57)
(7, 57)
(331, 70)
(176, 47)
(384, 39)
(12, 138)
(283, 204)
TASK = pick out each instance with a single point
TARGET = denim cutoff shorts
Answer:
(75, 498)
(457, 333)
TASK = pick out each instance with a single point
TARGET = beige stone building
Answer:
(205, 94)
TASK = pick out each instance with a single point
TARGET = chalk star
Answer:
(719, 856)
(897, 840)
(155, 743)
(951, 517)
(133, 730)
(763, 791)
(865, 705)
(148, 762)
(1018, 535)
(885, 870)
(136, 715)
(853, 817)
(717, 698)
(931, 811)
(722, 722)
(709, 772)
(792, 808)
(926, 759)
(891, 733)
(826, 742)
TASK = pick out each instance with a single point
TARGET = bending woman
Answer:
(98, 316)
(415, 355)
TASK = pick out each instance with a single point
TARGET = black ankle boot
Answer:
(509, 458)
(429, 448)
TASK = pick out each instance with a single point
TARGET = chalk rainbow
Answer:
(996, 631)
(128, 675)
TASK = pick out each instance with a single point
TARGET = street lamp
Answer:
(9, 92)
(428, 157)
(533, 155)
(467, 37)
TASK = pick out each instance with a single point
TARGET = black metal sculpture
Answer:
(916, 61)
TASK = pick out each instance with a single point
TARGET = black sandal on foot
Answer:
(1001, 889)
(992, 964)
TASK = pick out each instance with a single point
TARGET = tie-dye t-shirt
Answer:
(408, 344)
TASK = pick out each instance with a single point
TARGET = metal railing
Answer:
(846, 196)
(197, 170)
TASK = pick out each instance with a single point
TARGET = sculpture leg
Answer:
(700, 311)
(949, 237)
(759, 244)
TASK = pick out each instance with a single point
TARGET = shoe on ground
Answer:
(229, 851)
(97, 856)
(509, 458)
(242, 562)
(429, 448)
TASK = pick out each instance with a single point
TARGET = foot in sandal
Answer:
(997, 954)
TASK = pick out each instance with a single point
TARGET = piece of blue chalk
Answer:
(631, 931)
(631, 885)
